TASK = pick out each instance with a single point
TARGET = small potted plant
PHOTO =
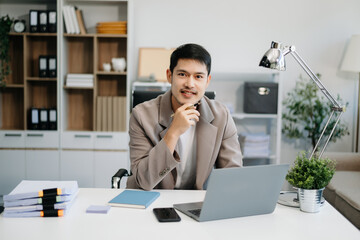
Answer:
(310, 177)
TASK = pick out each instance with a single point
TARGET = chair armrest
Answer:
(116, 179)
(345, 161)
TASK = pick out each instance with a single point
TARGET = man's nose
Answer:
(190, 81)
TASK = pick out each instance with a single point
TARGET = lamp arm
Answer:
(322, 133)
(336, 106)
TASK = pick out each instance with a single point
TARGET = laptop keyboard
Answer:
(196, 212)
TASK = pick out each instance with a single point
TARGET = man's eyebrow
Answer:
(197, 73)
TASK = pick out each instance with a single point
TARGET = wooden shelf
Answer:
(111, 73)
(85, 88)
(41, 79)
(33, 34)
(14, 86)
(91, 35)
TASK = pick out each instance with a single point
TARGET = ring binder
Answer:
(52, 66)
(52, 21)
(44, 120)
(43, 66)
(34, 119)
(33, 21)
(43, 21)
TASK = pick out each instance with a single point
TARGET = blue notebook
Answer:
(134, 199)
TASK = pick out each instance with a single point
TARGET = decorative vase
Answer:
(310, 199)
(119, 64)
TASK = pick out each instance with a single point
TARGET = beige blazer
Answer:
(152, 163)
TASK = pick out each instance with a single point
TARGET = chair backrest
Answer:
(140, 96)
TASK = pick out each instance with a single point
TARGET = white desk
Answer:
(128, 223)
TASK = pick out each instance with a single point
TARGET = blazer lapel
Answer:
(206, 137)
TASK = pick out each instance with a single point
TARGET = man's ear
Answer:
(168, 75)
(208, 81)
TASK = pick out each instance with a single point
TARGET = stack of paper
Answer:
(40, 199)
(112, 27)
(79, 80)
(255, 145)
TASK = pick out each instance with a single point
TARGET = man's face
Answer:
(189, 81)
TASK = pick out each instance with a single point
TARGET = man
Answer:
(177, 138)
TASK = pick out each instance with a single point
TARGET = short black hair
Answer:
(190, 51)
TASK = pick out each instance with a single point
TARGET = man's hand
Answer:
(184, 117)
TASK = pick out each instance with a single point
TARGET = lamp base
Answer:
(291, 199)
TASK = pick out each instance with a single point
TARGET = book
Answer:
(98, 113)
(134, 199)
(34, 189)
(80, 19)
(67, 20)
(74, 20)
(109, 114)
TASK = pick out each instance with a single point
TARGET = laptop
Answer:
(238, 192)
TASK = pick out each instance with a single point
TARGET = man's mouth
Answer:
(188, 93)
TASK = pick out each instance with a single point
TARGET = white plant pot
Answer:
(310, 199)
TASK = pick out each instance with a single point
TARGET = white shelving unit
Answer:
(76, 150)
(88, 155)
(229, 88)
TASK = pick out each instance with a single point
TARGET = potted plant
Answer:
(5, 26)
(306, 114)
(310, 177)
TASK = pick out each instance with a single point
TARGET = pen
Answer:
(189, 107)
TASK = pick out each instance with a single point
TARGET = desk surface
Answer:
(128, 223)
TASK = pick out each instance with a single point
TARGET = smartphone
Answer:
(166, 215)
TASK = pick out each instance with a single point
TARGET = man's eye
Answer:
(181, 74)
(199, 76)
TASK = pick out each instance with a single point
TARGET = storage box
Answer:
(260, 97)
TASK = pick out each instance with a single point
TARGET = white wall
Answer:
(238, 32)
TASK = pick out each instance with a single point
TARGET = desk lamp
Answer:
(351, 63)
(274, 58)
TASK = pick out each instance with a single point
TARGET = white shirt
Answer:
(186, 169)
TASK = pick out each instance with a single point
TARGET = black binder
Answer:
(43, 66)
(43, 21)
(52, 66)
(52, 119)
(44, 119)
(34, 119)
(33, 21)
(52, 21)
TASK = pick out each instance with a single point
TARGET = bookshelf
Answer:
(86, 147)
(76, 150)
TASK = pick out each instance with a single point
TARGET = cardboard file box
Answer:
(260, 97)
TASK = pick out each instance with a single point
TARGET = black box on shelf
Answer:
(260, 97)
